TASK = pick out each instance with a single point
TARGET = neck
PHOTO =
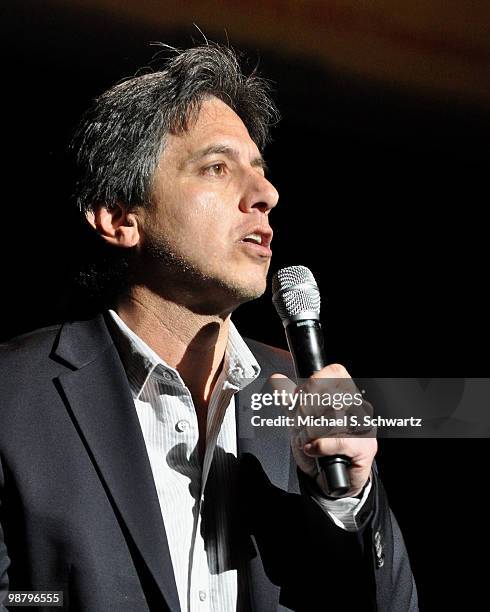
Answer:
(193, 344)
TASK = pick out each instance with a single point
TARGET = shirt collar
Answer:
(141, 362)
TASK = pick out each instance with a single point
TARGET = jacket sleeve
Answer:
(395, 584)
(383, 571)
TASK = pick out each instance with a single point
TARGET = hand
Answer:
(310, 440)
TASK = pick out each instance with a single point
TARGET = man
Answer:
(129, 480)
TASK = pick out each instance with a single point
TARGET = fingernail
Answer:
(308, 447)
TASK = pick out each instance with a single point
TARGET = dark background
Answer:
(383, 196)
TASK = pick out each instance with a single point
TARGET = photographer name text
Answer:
(346, 421)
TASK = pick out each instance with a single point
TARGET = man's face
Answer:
(209, 194)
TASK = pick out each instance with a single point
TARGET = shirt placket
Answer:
(201, 583)
(186, 431)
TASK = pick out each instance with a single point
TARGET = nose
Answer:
(260, 194)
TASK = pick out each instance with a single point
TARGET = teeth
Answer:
(254, 238)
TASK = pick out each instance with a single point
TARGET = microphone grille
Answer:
(295, 292)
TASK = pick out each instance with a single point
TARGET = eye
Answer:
(216, 169)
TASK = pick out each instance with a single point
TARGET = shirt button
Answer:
(182, 425)
(202, 595)
(167, 375)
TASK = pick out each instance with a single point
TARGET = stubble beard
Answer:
(169, 272)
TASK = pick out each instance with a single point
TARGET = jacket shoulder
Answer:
(32, 342)
(277, 359)
(27, 356)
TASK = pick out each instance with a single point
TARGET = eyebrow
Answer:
(221, 149)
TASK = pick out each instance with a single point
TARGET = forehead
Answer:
(216, 122)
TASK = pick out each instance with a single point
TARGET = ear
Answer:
(115, 225)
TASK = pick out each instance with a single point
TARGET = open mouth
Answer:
(259, 236)
(253, 238)
(258, 243)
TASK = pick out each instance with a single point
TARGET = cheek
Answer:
(196, 220)
(204, 202)
(207, 217)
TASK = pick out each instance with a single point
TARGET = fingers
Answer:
(334, 370)
(326, 404)
(360, 451)
(332, 379)
(285, 391)
(331, 417)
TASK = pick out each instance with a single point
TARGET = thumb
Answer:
(285, 391)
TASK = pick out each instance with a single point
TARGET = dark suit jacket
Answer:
(79, 509)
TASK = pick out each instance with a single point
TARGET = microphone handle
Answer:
(306, 344)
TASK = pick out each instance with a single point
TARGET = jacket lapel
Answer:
(271, 446)
(98, 397)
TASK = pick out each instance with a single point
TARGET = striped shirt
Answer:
(199, 538)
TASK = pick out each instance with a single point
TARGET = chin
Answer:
(244, 290)
(251, 291)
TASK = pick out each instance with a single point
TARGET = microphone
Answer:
(296, 297)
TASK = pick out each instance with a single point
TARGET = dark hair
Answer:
(122, 136)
